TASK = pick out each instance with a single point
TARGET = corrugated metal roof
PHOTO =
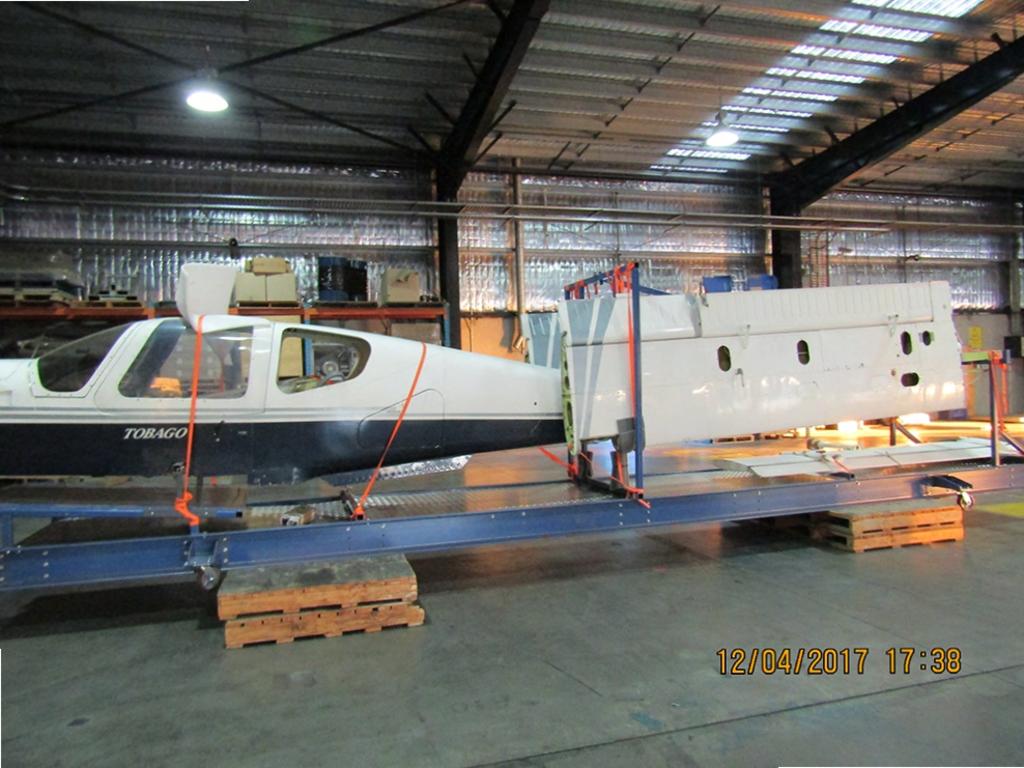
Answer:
(608, 86)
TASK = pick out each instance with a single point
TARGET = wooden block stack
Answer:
(895, 524)
(278, 604)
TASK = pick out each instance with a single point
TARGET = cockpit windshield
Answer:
(69, 368)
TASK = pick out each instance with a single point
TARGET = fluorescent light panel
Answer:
(717, 154)
(692, 168)
(708, 154)
(783, 94)
(950, 9)
(766, 111)
(810, 74)
(818, 51)
(749, 127)
(875, 30)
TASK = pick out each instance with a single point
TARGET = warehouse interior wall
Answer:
(672, 257)
(973, 263)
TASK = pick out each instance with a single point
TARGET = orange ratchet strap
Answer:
(359, 513)
(181, 503)
(572, 468)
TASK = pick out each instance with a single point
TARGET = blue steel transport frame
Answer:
(98, 563)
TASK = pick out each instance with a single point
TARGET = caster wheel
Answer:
(209, 577)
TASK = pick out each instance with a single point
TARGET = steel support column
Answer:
(518, 247)
(448, 269)
(787, 259)
(460, 149)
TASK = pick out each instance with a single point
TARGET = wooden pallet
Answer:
(110, 303)
(885, 526)
(341, 584)
(282, 603)
(851, 543)
(287, 627)
(29, 298)
(269, 305)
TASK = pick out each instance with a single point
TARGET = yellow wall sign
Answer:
(974, 338)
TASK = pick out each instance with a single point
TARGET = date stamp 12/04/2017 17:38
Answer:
(836, 661)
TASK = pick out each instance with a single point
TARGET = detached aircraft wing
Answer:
(827, 461)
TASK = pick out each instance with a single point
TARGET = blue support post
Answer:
(6, 530)
(638, 398)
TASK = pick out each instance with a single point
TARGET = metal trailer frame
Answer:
(113, 562)
(108, 563)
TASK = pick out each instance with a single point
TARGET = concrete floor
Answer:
(587, 652)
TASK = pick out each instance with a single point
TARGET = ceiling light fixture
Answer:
(722, 136)
(206, 97)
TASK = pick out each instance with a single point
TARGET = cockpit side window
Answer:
(312, 359)
(69, 367)
(164, 366)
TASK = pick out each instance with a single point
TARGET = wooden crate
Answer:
(286, 627)
(281, 603)
(898, 524)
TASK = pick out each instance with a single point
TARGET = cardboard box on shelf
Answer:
(400, 286)
(250, 287)
(268, 265)
(282, 287)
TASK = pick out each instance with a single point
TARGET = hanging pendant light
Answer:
(722, 135)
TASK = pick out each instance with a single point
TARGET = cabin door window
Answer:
(313, 359)
(163, 369)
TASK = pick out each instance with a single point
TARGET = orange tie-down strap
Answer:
(181, 503)
(573, 469)
(359, 513)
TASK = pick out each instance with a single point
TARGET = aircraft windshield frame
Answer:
(71, 367)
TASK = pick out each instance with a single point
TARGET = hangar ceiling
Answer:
(629, 88)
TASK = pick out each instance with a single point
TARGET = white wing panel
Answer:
(864, 366)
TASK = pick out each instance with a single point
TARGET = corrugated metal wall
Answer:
(973, 263)
(556, 253)
(138, 241)
(141, 245)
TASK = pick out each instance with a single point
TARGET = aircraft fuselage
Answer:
(276, 402)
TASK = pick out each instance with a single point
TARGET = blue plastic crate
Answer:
(717, 284)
